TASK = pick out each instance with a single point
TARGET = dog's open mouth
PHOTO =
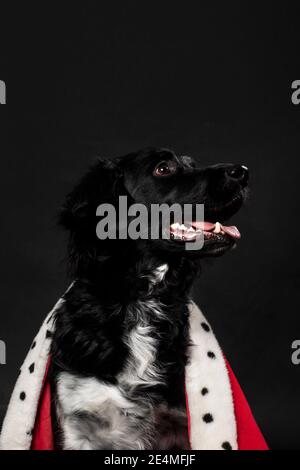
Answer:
(211, 231)
(218, 234)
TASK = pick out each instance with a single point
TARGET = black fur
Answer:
(112, 275)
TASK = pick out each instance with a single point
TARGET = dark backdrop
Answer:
(213, 82)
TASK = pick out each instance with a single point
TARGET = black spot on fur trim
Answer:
(211, 355)
(48, 334)
(31, 368)
(205, 327)
(29, 433)
(208, 418)
(204, 391)
(226, 445)
(33, 345)
(22, 396)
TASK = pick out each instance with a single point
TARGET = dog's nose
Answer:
(239, 173)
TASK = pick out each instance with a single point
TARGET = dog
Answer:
(121, 337)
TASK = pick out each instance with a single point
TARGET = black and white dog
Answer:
(120, 345)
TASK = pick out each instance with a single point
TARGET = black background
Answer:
(213, 82)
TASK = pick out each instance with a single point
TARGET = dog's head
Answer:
(158, 177)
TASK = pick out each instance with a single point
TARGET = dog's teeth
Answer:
(217, 228)
(182, 227)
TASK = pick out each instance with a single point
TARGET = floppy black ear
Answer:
(102, 184)
(99, 185)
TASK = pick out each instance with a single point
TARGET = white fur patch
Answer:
(92, 414)
(160, 273)
(141, 367)
(87, 394)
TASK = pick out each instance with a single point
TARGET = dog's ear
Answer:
(99, 185)
(102, 184)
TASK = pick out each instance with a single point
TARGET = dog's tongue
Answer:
(232, 231)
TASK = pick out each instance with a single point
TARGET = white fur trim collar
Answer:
(212, 418)
(20, 417)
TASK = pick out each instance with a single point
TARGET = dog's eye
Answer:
(165, 168)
